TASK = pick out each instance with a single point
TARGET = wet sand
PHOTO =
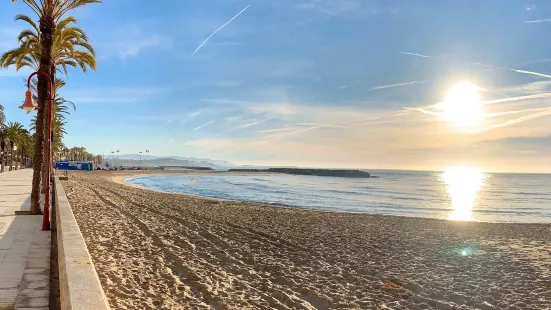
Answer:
(155, 250)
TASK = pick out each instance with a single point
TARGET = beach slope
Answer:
(156, 250)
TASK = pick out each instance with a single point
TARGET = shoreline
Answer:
(157, 250)
(120, 179)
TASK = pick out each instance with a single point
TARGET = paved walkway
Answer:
(24, 247)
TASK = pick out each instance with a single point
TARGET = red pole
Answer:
(46, 214)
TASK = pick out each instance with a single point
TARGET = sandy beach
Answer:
(155, 250)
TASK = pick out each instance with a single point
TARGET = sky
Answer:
(313, 83)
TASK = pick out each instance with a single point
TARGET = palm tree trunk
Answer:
(47, 29)
(2, 147)
(12, 162)
(47, 149)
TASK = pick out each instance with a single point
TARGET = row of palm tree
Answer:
(78, 154)
(17, 143)
(50, 46)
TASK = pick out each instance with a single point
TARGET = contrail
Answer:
(203, 126)
(396, 85)
(515, 112)
(538, 21)
(199, 47)
(532, 73)
(542, 95)
(246, 126)
(517, 120)
(424, 111)
(277, 129)
(413, 54)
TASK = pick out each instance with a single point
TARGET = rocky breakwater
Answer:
(317, 172)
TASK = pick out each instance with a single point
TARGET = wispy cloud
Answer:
(221, 27)
(277, 130)
(397, 85)
(518, 120)
(171, 141)
(130, 40)
(192, 116)
(414, 54)
(203, 126)
(169, 121)
(546, 20)
(532, 73)
(250, 124)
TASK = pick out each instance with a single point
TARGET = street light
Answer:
(29, 106)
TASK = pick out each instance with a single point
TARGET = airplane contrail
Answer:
(424, 111)
(203, 126)
(396, 85)
(413, 54)
(542, 95)
(532, 73)
(545, 112)
(515, 112)
(538, 21)
(222, 27)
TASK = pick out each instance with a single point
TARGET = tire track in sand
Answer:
(177, 266)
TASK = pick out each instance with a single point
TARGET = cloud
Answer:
(192, 116)
(171, 141)
(253, 123)
(397, 85)
(131, 40)
(203, 126)
(532, 73)
(277, 129)
(100, 94)
(545, 112)
(336, 8)
(220, 28)
(413, 54)
(169, 121)
(538, 21)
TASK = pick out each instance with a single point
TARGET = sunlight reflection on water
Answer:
(463, 185)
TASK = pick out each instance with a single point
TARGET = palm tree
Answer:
(3, 139)
(60, 109)
(25, 144)
(14, 132)
(49, 13)
(2, 115)
(70, 48)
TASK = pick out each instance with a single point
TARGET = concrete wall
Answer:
(79, 284)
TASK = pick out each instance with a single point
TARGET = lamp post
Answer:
(29, 106)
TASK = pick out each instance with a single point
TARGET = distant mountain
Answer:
(150, 160)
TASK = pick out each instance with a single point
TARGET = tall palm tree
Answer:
(14, 132)
(25, 144)
(2, 137)
(2, 115)
(3, 140)
(49, 12)
(70, 48)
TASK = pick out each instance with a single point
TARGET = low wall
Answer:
(79, 285)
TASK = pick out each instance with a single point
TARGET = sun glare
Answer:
(462, 106)
(463, 184)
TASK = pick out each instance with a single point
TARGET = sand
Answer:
(156, 250)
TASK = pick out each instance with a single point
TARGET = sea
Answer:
(457, 194)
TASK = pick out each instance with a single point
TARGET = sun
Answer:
(462, 106)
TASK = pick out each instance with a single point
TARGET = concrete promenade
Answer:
(24, 247)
